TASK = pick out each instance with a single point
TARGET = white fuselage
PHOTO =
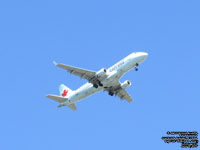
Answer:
(113, 73)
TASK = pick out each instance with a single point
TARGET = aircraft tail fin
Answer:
(64, 90)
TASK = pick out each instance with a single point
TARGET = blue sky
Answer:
(93, 35)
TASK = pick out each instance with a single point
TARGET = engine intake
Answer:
(101, 73)
(126, 84)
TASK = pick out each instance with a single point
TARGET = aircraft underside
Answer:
(104, 79)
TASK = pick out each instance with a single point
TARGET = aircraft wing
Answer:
(118, 91)
(83, 73)
(123, 94)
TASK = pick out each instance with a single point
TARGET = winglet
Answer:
(55, 63)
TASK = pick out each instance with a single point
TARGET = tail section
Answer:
(72, 106)
(61, 100)
(64, 90)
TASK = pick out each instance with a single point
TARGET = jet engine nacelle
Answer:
(126, 84)
(101, 73)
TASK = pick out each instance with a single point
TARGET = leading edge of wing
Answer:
(83, 73)
(67, 67)
(72, 69)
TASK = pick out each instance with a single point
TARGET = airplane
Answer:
(104, 79)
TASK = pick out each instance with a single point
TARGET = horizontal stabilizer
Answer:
(72, 106)
(57, 98)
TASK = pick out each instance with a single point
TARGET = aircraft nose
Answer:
(144, 55)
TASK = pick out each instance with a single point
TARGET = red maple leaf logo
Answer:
(64, 93)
